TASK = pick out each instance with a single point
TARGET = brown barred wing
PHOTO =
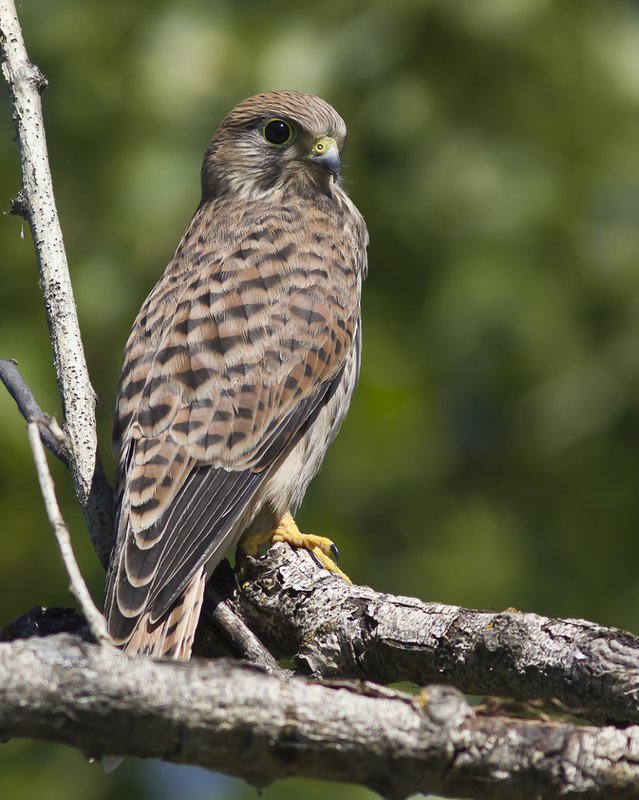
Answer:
(224, 371)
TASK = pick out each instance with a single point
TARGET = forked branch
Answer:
(263, 724)
(36, 203)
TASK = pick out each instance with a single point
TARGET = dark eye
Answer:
(277, 132)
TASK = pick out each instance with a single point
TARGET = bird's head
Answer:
(275, 140)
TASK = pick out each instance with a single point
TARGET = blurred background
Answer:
(491, 455)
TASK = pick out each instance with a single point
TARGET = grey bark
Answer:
(77, 586)
(264, 724)
(332, 628)
(261, 727)
(29, 408)
(36, 203)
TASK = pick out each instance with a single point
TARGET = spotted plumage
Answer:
(240, 365)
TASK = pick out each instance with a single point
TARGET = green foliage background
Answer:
(491, 457)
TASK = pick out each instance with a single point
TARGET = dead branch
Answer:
(261, 723)
(241, 640)
(336, 629)
(61, 532)
(29, 408)
(36, 203)
(261, 727)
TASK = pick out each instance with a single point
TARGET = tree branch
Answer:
(36, 203)
(261, 723)
(241, 640)
(261, 727)
(29, 408)
(61, 532)
(332, 628)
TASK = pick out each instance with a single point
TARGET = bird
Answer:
(239, 369)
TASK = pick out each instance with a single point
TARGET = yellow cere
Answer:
(323, 145)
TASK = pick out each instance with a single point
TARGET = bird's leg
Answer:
(321, 548)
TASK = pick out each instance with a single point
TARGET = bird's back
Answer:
(237, 373)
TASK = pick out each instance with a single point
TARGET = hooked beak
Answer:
(325, 152)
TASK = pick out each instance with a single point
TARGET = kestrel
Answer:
(239, 369)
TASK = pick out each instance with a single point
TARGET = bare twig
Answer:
(262, 727)
(29, 408)
(332, 628)
(36, 204)
(232, 627)
(61, 532)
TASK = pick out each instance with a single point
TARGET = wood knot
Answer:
(37, 78)
(19, 205)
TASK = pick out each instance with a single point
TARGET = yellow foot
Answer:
(322, 549)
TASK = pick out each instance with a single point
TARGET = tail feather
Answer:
(172, 635)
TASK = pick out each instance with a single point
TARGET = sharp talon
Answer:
(323, 551)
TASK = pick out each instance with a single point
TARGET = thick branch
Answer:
(37, 204)
(262, 726)
(336, 629)
(245, 722)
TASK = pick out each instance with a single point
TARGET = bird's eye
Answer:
(277, 132)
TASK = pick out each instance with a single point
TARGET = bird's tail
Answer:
(172, 635)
